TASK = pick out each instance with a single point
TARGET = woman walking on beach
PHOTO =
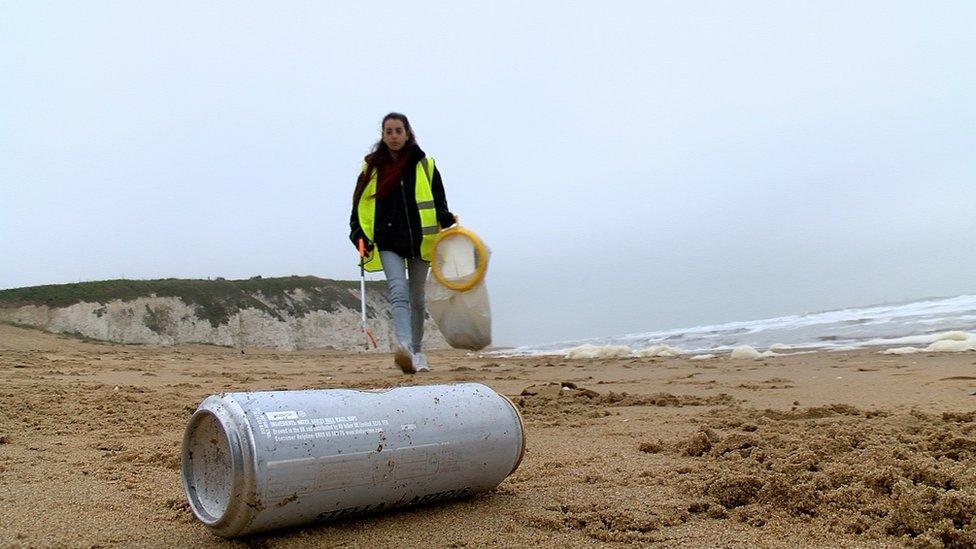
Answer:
(398, 208)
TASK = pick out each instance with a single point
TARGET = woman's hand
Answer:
(364, 247)
(359, 235)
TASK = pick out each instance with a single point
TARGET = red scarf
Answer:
(390, 174)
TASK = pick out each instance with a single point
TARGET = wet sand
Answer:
(826, 449)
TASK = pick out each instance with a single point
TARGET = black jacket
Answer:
(397, 224)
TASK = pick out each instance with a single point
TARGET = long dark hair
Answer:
(380, 156)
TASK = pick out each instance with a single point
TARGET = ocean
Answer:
(914, 323)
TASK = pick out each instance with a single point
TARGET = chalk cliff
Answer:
(286, 313)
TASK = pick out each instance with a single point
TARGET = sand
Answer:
(827, 449)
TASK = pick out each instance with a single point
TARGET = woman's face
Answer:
(394, 134)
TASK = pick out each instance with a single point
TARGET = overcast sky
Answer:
(632, 165)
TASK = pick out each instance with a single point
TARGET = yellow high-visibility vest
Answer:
(366, 210)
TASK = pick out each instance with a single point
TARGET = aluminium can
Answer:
(256, 461)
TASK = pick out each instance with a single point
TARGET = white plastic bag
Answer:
(462, 315)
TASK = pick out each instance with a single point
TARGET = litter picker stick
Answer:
(362, 295)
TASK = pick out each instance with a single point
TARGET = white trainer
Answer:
(403, 358)
(420, 362)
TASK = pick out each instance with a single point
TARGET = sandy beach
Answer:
(826, 449)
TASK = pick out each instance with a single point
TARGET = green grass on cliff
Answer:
(214, 300)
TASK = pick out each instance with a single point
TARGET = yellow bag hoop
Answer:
(479, 272)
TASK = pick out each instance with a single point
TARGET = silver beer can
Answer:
(256, 461)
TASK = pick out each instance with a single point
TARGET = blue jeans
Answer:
(406, 299)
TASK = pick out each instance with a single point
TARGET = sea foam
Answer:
(597, 351)
(745, 351)
(659, 350)
(948, 342)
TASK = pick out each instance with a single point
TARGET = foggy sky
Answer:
(633, 166)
